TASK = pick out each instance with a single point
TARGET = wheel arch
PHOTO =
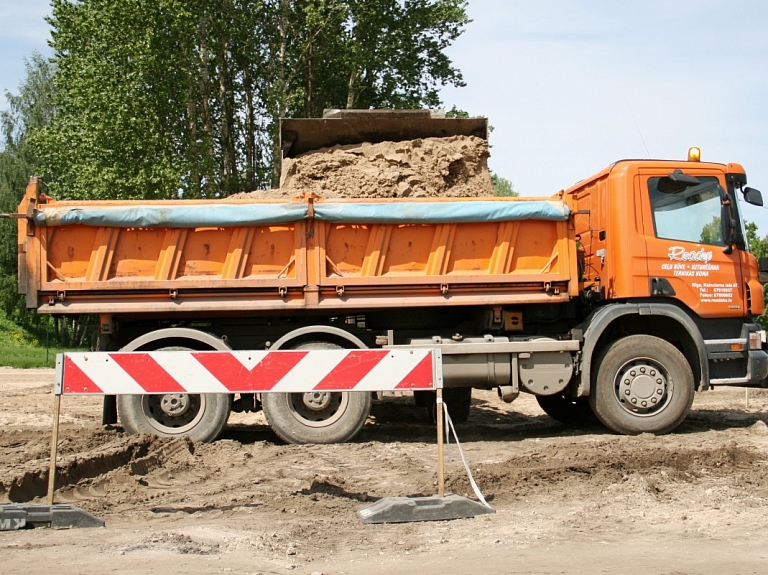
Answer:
(136, 414)
(166, 337)
(327, 333)
(665, 321)
(290, 422)
(176, 336)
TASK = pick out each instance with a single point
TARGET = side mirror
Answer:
(753, 196)
(762, 268)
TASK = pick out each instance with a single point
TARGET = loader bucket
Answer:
(344, 127)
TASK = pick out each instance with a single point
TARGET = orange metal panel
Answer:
(447, 250)
(375, 252)
(69, 249)
(101, 254)
(307, 264)
(501, 259)
(270, 250)
(440, 251)
(170, 254)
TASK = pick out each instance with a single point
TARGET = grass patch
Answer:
(29, 356)
(20, 348)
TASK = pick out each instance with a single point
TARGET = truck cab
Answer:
(664, 241)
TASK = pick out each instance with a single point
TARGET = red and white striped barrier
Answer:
(120, 373)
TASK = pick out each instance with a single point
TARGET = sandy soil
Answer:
(456, 166)
(567, 500)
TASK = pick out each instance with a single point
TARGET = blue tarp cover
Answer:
(195, 216)
(230, 215)
(441, 212)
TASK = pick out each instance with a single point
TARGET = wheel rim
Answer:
(173, 413)
(318, 408)
(642, 387)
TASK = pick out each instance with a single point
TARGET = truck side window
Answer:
(684, 212)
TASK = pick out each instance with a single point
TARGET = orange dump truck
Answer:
(654, 301)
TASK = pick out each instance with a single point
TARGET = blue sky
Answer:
(571, 86)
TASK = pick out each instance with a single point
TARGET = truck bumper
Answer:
(757, 368)
(739, 368)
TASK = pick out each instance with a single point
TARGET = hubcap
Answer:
(175, 404)
(173, 413)
(642, 387)
(317, 400)
(318, 408)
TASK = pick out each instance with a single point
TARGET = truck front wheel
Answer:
(643, 385)
(316, 416)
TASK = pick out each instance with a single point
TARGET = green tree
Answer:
(29, 111)
(759, 248)
(503, 186)
(168, 97)
(456, 113)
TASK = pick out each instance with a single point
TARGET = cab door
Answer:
(687, 256)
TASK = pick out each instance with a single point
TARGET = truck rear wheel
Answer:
(565, 409)
(643, 385)
(200, 416)
(316, 416)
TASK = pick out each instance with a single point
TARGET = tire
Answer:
(458, 400)
(316, 417)
(643, 385)
(199, 416)
(571, 411)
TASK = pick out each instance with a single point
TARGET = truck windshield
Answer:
(686, 213)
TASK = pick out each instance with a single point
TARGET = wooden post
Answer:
(440, 454)
(746, 397)
(54, 448)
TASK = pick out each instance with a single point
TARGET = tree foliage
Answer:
(156, 99)
(503, 186)
(759, 248)
(169, 98)
(29, 112)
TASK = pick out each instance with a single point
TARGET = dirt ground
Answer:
(566, 500)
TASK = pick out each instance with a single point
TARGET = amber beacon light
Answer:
(694, 154)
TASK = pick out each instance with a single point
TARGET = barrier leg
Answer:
(26, 515)
(54, 447)
(440, 447)
(431, 508)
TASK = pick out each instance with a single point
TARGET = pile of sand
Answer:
(431, 167)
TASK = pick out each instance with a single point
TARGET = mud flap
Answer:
(13, 517)
(432, 508)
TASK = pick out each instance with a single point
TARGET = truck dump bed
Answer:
(215, 256)
(344, 127)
